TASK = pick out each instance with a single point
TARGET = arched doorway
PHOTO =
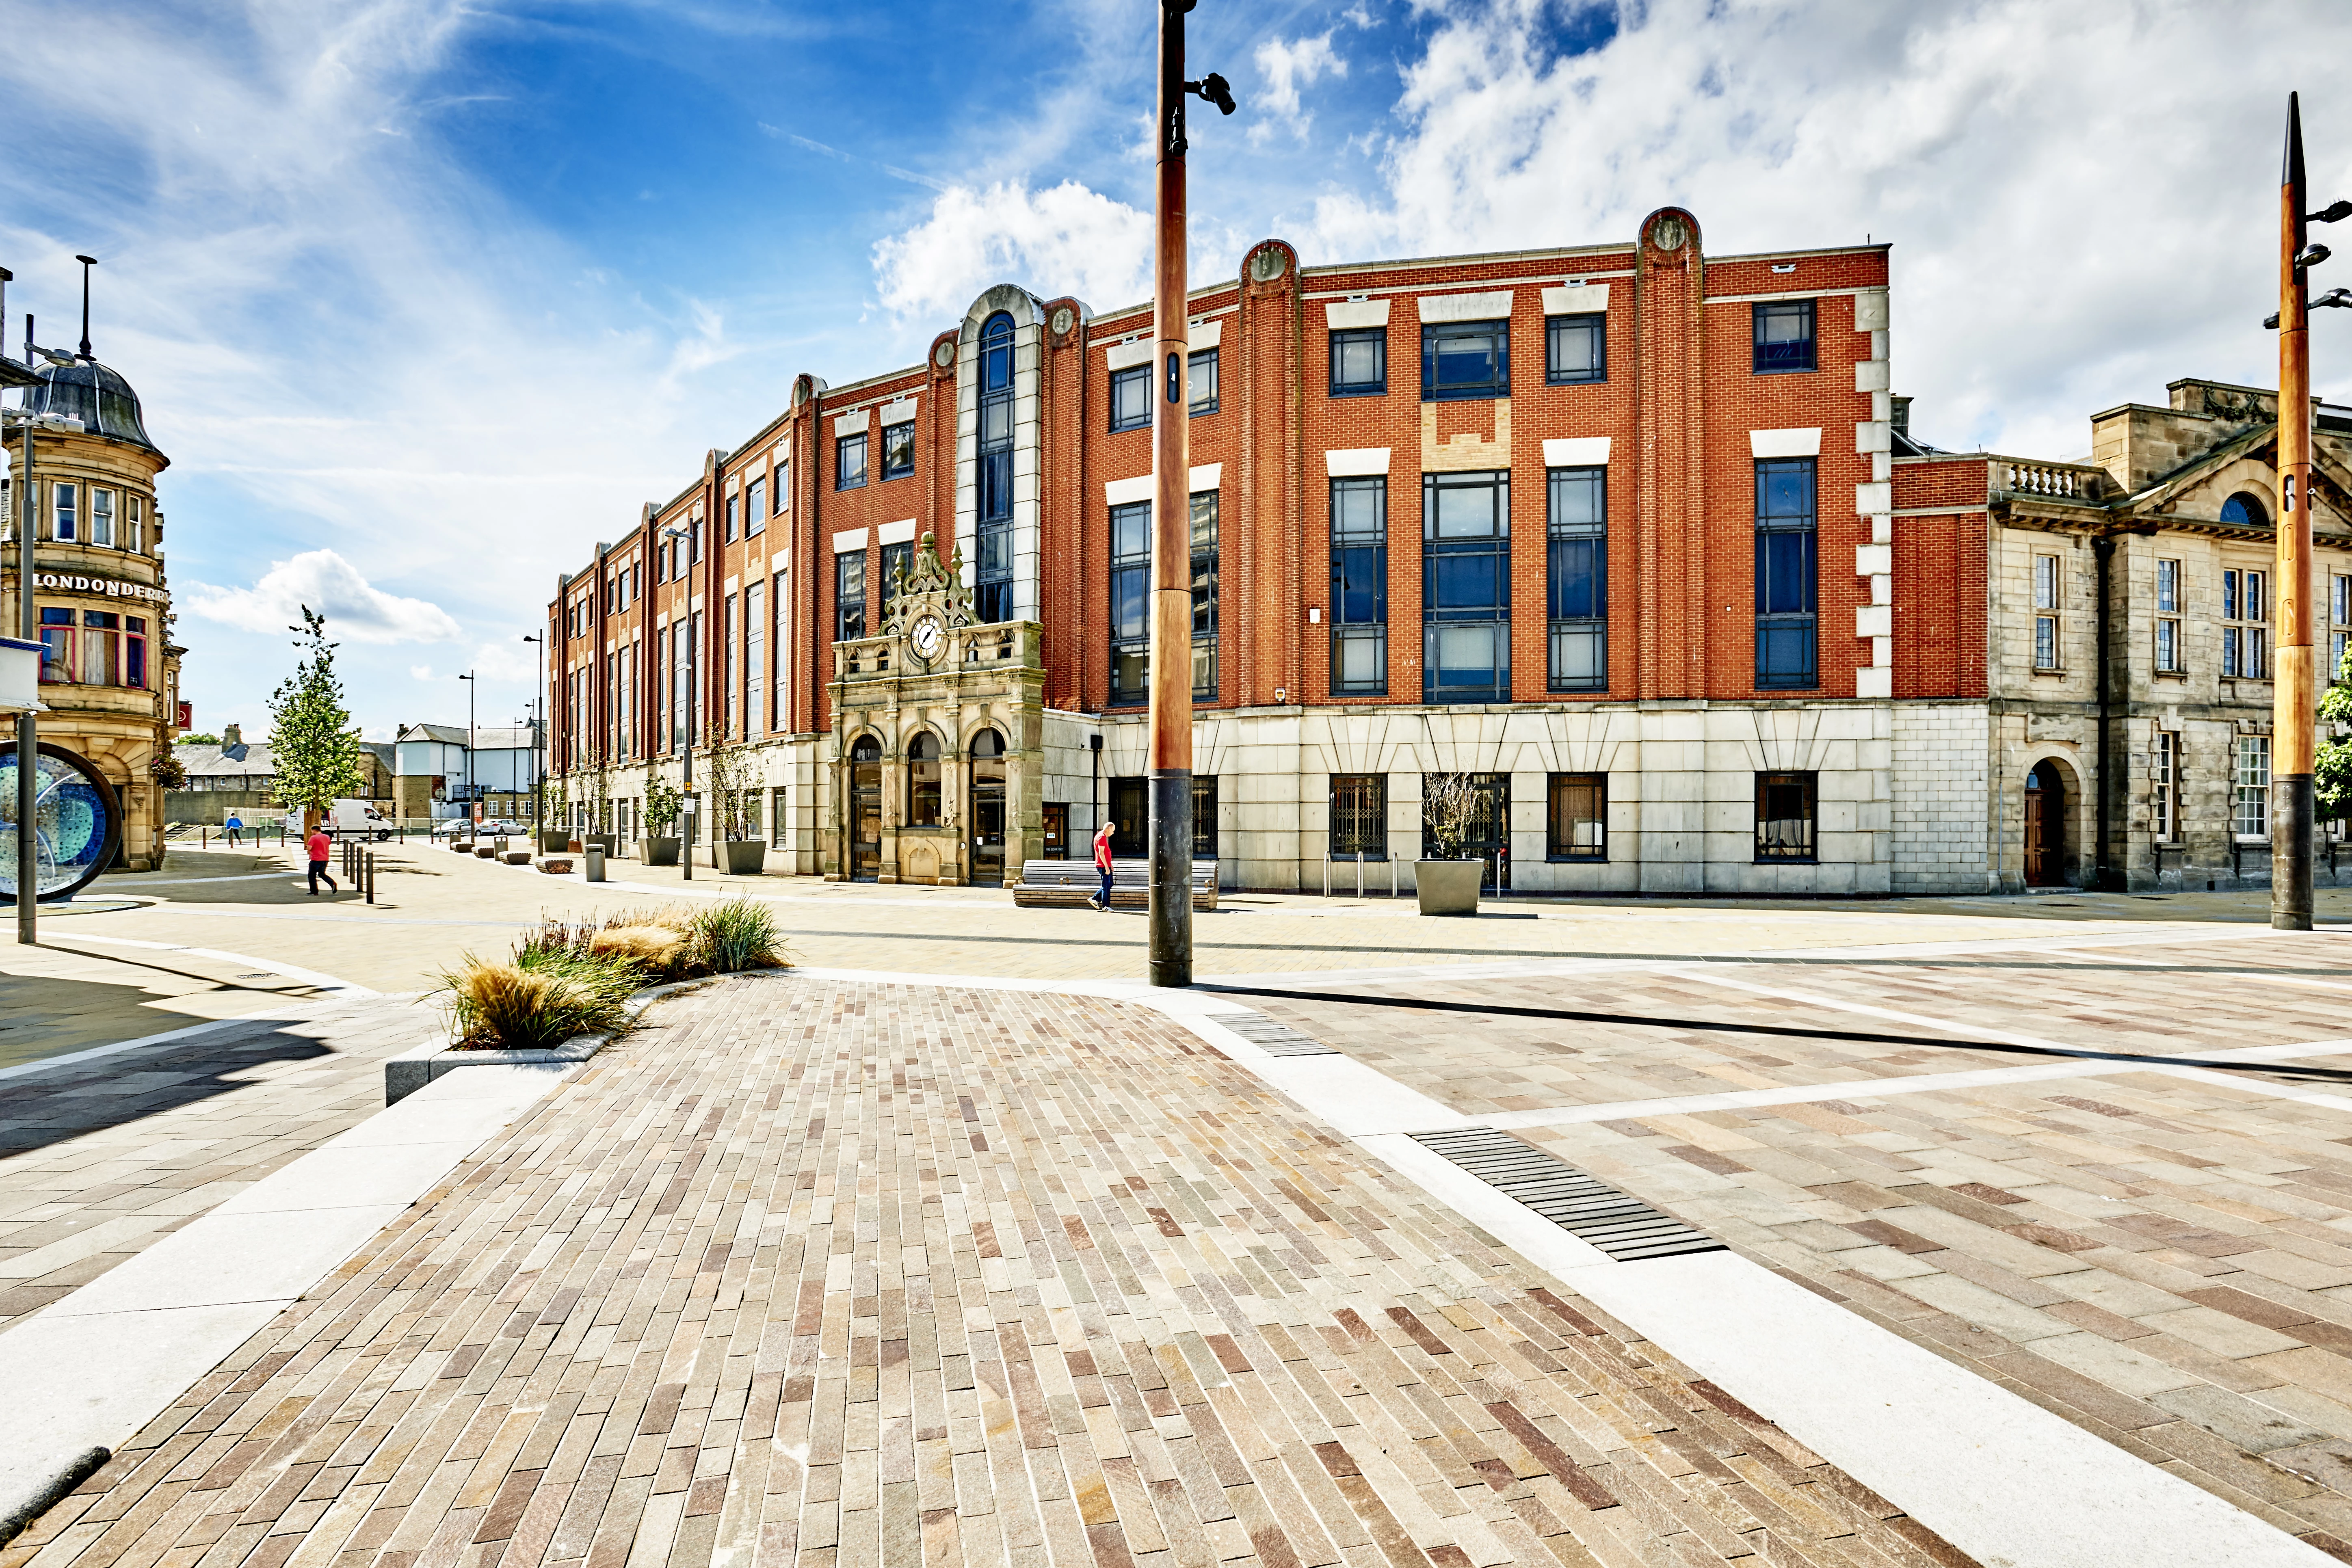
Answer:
(923, 780)
(864, 809)
(988, 809)
(2045, 825)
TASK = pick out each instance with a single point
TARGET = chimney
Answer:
(231, 735)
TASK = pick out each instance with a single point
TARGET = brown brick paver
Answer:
(847, 1273)
(100, 1158)
(2167, 1262)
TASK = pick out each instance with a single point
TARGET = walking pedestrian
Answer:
(235, 824)
(320, 847)
(1102, 863)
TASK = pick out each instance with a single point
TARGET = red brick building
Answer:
(1619, 528)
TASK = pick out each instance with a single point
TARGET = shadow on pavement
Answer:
(46, 1108)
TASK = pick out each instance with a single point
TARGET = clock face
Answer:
(927, 636)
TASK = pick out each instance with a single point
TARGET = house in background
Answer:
(442, 768)
(239, 776)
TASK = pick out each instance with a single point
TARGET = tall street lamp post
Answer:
(693, 691)
(470, 816)
(2294, 745)
(1171, 509)
(538, 792)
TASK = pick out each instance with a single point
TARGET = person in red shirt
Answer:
(319, 846)
(1102, 863)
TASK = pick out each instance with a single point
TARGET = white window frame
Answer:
(2246, 638)
(2250, 790)
(2049, 645)
(2164, 786)
(2171, 652)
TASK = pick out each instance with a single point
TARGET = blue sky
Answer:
(425, 297)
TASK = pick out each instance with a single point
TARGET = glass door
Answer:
(988, 809)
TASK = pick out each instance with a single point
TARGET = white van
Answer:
(359, 818)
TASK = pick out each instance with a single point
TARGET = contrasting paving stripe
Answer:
(1623, 1226)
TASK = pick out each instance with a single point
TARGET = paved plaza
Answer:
(2031, 1219)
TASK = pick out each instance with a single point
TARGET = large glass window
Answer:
(1131, 397)
(1576, 826)
(135, 524)
(134, 652)
(100, 663)
(2250, 814)
(923, 780)
(101, 517)
(898, 562)
(2171, 653)
(780, 715)
(849, 596)
(65, 501)
(730, 675)
(1577, 579)
(1201, 376)
(1204, 816)
(734, 513)
(992, 572)
(1131, 808)
(1576, 348)
(1360, 362)
(2339, 620)
(57, 646)
(755, 507)
(2046, 582)
(2245, 631)
(1785, 810)
(1130, 601)
(1359, 585)
(849, 462)
(1785, 629)
(1360, 816)
(898, 450)
(1466, 521)
(755, 658)
(1784, 336)
(1468, 359)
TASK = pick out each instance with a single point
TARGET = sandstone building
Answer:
(1634, 535)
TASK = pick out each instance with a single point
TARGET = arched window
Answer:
(867, 750)
(992, 574)
(923, 780)
(988, 743)
(2245, 510)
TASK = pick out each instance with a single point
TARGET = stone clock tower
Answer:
(936, 770)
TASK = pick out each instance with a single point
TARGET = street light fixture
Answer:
(693, 691)
(538, 773)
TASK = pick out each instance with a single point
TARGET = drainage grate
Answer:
(1625, 1227)
(1276, 1039)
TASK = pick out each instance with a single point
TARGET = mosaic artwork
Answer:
(76, 823)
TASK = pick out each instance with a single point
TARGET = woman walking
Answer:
(1102, 863)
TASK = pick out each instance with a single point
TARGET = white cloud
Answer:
(356, 610)
(1064, 241)
(1286, 67)
(2082, 206)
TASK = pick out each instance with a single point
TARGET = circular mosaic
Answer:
(1670, 234)
(76, 823)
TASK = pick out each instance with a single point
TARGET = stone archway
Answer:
(2054, 800)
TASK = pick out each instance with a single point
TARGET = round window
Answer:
(76, 823)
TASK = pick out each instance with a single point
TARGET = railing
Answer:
(2054, 481)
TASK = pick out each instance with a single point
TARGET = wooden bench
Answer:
(1068, 884)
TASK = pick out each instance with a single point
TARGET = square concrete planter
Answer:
(411, 1071)
(554, 843)
(745, 857)
(1447, 887)
(658, 851)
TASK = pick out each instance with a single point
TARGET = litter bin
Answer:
(594, 856)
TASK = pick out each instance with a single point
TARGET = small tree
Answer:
(662, 803)
(1449, 814)
(734, 795)
(311, 740)
(2332, 772)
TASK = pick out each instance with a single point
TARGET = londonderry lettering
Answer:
(113, 588)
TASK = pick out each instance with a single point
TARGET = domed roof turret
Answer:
(94, 393)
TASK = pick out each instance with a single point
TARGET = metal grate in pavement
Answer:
(1278, 1039)
(1625, 1227)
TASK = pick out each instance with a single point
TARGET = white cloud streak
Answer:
(1067, 239)
(356, 610)
(1286, 66)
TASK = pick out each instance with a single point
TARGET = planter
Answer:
(745, 857)
(1447, 887)
(487, 852)
(658, 851)
(554, 843)
(406, 1073)
(609, 843)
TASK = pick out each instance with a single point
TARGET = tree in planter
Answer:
(2332, 774)
(734, 795)
(1449, 815)
(662, 806)
(312, 738)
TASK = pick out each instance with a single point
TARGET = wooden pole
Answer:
(2293, 692)
(1172, 547)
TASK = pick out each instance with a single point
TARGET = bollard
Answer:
(1392, 880)
(1360, 873)
(367, 878)
(1327, 876)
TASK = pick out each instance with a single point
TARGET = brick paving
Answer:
(848, 1273)
(99, 1159)
(2166, 1262)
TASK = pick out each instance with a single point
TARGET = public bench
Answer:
(1068, 884)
